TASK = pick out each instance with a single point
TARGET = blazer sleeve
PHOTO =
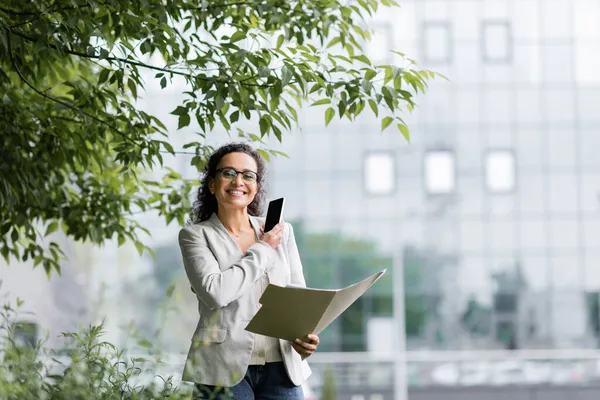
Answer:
(296, 273)
(214, 287)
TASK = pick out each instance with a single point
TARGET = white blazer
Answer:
(223, 279)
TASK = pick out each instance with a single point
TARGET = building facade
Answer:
(494, 203)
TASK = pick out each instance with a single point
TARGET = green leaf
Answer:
(321, 102)
(370, 74)
(132, 87)
(362, 58)
(334, 41)
(52, 227)
(236, 37)
(286, 76)
(140, 247)
(386, 122)
(184, 120)
(170, 290)
(103, 76)
(280, 41)
(405, 132)
(373, 106)
(329, 114)
(265, 125)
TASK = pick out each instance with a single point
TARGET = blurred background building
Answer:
(494, 206)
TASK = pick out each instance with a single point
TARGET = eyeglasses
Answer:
(231, 174)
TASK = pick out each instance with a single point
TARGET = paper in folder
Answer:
(292, 312)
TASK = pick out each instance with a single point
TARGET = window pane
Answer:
(380, 173)
(440, 175)
(557, 63)
(500, 171)
(592, 271)
(437, 42)
(501, 236)
(535, 271)
(561, 147)
(533, 234)
(564, 234)
(471, 236)
(496, 41)
(587, 62)
(563, 193)
(378, 48)
(532, 194)
(591, 237)
(556, 19)
(566, 271)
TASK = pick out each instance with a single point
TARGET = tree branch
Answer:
(136, 63)
(58, 101)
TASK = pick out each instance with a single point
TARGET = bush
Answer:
(88, 369)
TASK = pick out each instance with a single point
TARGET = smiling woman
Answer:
(229, 261)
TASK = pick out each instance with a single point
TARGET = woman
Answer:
(229, 262)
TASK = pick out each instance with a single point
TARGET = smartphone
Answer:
(274, 213)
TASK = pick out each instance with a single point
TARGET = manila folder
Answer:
(292, 312)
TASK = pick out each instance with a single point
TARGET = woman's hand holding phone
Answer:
(273, 237)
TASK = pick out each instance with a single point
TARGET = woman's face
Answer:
(234, 184)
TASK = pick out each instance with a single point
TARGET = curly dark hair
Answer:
(206, 203)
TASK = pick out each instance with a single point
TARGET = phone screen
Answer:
(274, 213)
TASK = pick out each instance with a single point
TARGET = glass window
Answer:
(591, 237)
(563, 193)
(467, 106)
(347, 156)
(437, 42)
(379, 47)
(557, 61)
(532, 193)
(497, 105)
(587, 105)
(379, 173)
(564, 234)
(528, 105)
(497, 42)
(591, 270)
(501, 234)
(468, 152)
(319, 198)
(559, 106)
(590, 143)
(526, 19)
(530, 142)
(317, 150)
(352, 203)
(500, 171)
(535, 271)
(473, 199)
(440, 172)
(471, 235)
(474, 275)
(561, 148)
(527, 63)
(586, 14)
(533, 234)
(556, 19)
(587, 62)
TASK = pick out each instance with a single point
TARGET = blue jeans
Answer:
(261, 382)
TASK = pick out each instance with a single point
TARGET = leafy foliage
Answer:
(76, 150)
(88, 369)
